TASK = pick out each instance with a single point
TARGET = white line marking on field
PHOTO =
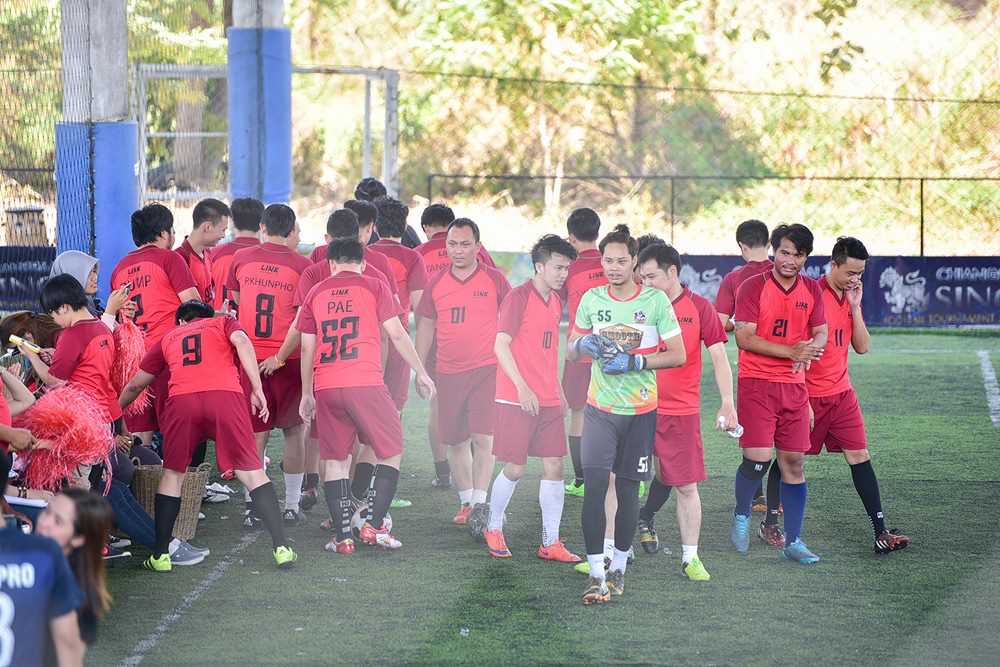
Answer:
(990, 384)
(143, 648)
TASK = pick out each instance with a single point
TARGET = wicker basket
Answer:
(146, 481)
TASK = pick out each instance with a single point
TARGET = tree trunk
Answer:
(189, 163)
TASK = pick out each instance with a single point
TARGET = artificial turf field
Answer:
(442, 600)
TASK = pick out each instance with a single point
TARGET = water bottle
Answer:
(735, 432)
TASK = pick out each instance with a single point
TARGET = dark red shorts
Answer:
(149, 419)
(576, 383)
(518, 435)
(397, 377)
(343, 414)
(679, 451)
(223, 416)
(283, 391)
(838, 423)
(773, 413)
(465, 404)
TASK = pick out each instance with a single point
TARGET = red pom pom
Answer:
(73, 431)
(130, 348)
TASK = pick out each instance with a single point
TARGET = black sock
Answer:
(338, 501)
(166, 509)
(592, 515)
(362, 479)
(311, 481)
(198, 457)
(265, 506)
(628, 512)
(574, 455)
(867, 486)
(773, 494)
(759, 493)
(383, 488)
(658, 494)
(442, 469)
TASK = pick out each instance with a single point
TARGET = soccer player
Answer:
(40, 597)
(246, 225)
(370, 189)
(207, 402)
(530, 415)
(585, 272)
(836, 416)
(622, 327)
(341, 322)
(211, 219)
(780, 327)
(367, 215)
(460, 308)
(411, 278)
(751, 237)
(264, 279)
(434, 221)
(85, 350)
(159, 281)
(680, 456)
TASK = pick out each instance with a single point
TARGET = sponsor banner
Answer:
(898, 291)
(23, 269)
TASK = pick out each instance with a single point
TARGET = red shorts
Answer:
(397, 377)
(222, 416)
(773, 413)
(576, 383)
(678, 449)
(343, 414)
(148, 419)
(465, 404)
(837, 422)
(517, 435)
(283, 391)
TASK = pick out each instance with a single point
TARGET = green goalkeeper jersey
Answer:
(637, 324)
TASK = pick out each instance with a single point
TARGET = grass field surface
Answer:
(442, 600)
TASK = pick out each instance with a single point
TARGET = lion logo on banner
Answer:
(706, 283)
(904, 294)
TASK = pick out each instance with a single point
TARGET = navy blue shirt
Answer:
(36, 586)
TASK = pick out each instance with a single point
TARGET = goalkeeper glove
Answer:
(592, 345)
(623, 362)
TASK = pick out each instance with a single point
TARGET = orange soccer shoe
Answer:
(495, 543)
(558, 552)
(462, 517)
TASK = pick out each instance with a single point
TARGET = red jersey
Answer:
(201, 269)
(320, 271)
(679, 389)
(782, 316)
(5, 419)
(407, 267)
(374, 259)
(199, 355)
(346, 312)
(266, 277)
(83, 357)
(467, 313)
(585, 272)
(725, 300)
(533, 325)
(435, 254)
(222, 260)
(157, 277)
(827, 376)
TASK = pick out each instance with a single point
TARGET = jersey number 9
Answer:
(191, 347)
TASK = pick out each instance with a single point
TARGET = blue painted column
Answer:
(260, 113)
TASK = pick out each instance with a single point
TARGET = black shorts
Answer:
(620, 443)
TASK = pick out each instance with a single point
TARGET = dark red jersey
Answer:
(407, 269)
(435, 254)
(201, 269)
(222, 260)
(157, 276)
(828, 375)
(83, 358)
(533, 325)
(679, 389)
(725, 300)
(199, 355)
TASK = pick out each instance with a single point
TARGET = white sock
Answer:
(293, 489)
(503, 489)
(619, 560)
(478, 497)
(609, 546)
(596, 565)
(688, 551)
(550, 497)
(465, 497)
(246, 495)
(174, 543)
